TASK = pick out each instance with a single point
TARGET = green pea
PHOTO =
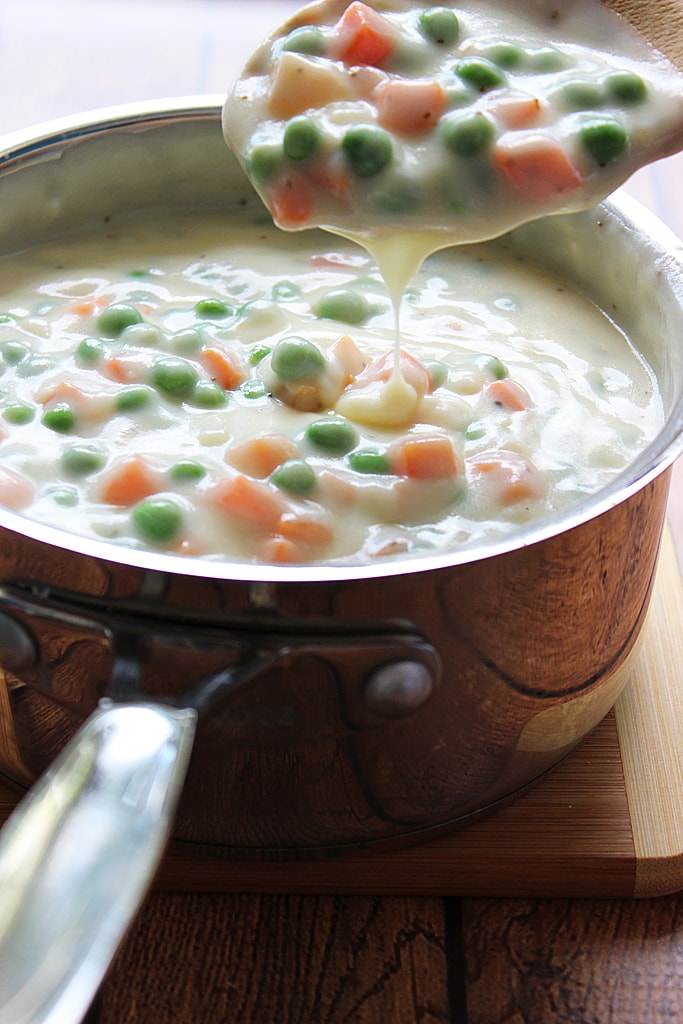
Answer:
(13, 352)
(284, 290)
(208, 395)
(483, 75)
(158, 519)
(334, 435)
(401, 197)
(90, 351)
(468, 134)
(491, 366)
(301, 138)
(253, 389)
(439, 25)
(19, 413)
(604, 139)
(138, 272)
(437, 370)
(580, 95)
(475, 431)
(505, 55)
(187, 342)
(113, 320)
(63, 495)
(545, 60)
(368, 149)
(81, 460)
(625, 87)
(295, 476)
(342, 304)
(34, 366)
(259, 352)
(134, 397)
(306, 39)
(263, 160)
(174, 377)
(297, 359)
(59, 418)
(215, 309)
(369, 461)
(187, 471)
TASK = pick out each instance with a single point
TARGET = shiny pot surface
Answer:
(336, 706)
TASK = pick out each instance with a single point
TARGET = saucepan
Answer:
(290, 712)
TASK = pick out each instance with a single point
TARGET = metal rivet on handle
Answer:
(399, 688)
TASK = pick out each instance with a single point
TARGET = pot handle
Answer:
(79, 853)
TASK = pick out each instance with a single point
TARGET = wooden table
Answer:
(208, 958)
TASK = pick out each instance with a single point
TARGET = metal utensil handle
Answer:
(78, 854)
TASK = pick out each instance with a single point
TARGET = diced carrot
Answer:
(16, 492)
(259, 456)
(279, 550)
(189, 547)
(382, 368)
(516, 110)
(128, 481)
(424, 458)
(512, 477)
(536, 167)
(87, 406)
(363, 36)
(508, 394)
(223, 365)
(127, 368)
(333, 176)
(409, 106)
(63, 392)
(290, 201)
(304, 529)
(249, 501)
(86, 307)
(345, 352)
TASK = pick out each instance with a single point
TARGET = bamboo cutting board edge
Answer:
(649, 719)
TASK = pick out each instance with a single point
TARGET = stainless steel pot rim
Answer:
(30, 144)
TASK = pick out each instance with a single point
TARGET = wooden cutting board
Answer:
(607, 822)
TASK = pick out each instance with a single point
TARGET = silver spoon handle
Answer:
(78, 854)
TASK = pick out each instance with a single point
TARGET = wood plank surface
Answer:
(283, 958)
(573, 961)
(195, 958)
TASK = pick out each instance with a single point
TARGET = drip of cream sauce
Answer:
(398, 256)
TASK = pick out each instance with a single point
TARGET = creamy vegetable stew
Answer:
(214, 386)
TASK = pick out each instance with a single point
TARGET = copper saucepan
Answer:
(325, 707)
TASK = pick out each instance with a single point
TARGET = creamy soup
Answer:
(212, 386)
(410, 126)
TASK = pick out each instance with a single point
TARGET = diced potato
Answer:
(300, 83)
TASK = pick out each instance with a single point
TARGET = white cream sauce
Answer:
(590, 403)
